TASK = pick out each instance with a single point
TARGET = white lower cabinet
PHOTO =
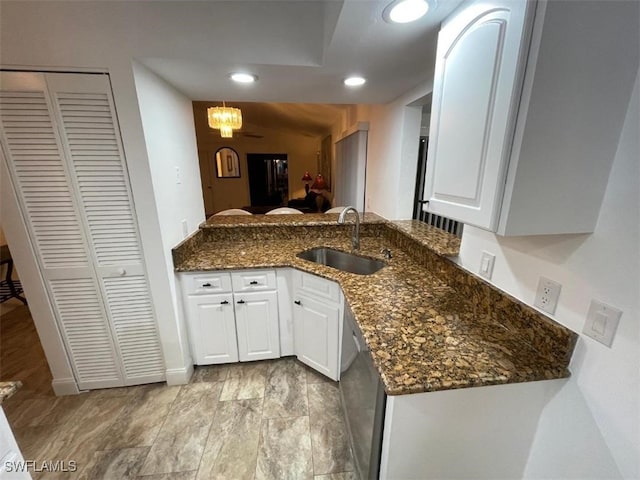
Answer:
(248, 315)
(317, 323)
(212, 327)
(238, 323)
(257, 325)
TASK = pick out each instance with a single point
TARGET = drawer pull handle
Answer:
(253, 282)
(224, 302)
(206, 285)
(298, 302)
(240, 301)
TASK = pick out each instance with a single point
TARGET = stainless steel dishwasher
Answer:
(363, 400)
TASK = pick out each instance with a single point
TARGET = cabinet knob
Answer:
(298, 302)
(224, 302)
(253, 282)
(206, 285)
(240, 301)
(122, 272)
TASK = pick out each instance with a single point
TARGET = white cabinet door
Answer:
(212, 328)
(11, 459)
(477, 81)
(316, 326)
(257, 325)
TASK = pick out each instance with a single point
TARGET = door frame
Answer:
(23, 254)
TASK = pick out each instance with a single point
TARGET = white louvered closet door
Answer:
(61, 138)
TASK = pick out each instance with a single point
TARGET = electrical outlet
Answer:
(602, 322)
(547, 295)
(178, 176)
(486, 264)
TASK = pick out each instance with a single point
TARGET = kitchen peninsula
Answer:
(431, 328)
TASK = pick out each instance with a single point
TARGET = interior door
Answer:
(90, 136)
(33, 150)
(61, 142)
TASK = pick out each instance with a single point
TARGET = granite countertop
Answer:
(423, 334)
(307, 219)
(7, 389)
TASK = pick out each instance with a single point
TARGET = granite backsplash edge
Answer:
(550, 339)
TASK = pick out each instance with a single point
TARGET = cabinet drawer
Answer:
(207, 283)
(253, 280)
(317, 286)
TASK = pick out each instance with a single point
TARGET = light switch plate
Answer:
(486, 264)
(602, 322)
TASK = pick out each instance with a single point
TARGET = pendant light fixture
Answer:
(224, 118)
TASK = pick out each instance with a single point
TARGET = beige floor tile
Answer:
(329, 438)
(245, 381)
(232, 446)
(183, 436)
(27, 411)
(170, 476)
(63, 409)
(79, 438)
(286, 390)
(285, 450)
(210, 373)
(122, 464)
(337, 476)
(33, 440)
(140, 423)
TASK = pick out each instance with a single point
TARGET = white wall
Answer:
(392, 155)
(169, 134)
(66, 36)
(591, 429)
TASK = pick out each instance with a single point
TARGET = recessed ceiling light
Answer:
(243, 77)
(405, 11)
(354, 81)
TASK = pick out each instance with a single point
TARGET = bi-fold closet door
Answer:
(61, 140)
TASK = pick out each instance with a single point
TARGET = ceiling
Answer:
(311, 120)
(301, 51)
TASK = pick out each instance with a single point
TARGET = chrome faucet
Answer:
(355, 239)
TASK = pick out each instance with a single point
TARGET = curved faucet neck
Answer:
(355, 239)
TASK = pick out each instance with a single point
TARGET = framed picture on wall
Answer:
(227, 163)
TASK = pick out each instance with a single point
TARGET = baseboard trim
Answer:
(65, 386)
(179, 376)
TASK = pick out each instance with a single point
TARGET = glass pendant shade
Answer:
(226, 132)
(224, 118)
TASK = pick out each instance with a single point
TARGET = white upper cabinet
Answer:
(525, 122)
(476, 74)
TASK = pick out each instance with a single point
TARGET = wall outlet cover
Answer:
(547, 295)
(486, 264)
(602, 322)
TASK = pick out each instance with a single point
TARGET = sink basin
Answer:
(347, 262)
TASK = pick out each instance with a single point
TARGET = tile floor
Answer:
(271, 419)
(261, 420)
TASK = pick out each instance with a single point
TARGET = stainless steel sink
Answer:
(346, 262)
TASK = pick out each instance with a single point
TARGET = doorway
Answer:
(268, 179)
